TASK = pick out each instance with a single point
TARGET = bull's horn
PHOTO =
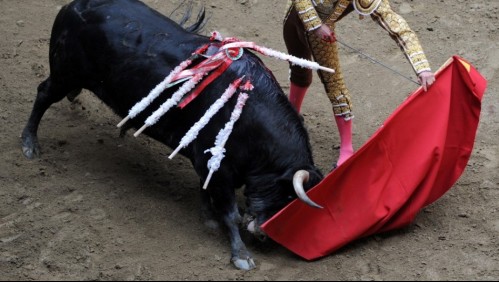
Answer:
(299, 178)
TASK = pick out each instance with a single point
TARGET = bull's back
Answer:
(121, 49)
(93, 40)
(118, 49)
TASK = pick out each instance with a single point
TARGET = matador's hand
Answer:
(325, 33)
(426, 79)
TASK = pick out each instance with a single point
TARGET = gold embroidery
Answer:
(326, 54)
(339, 8)
(307, 14)
(403, 34)
(366, 7)
(382, 13)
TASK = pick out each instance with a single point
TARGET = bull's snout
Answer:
(250, 223)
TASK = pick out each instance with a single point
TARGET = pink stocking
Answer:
(296, 95)
(346, 146)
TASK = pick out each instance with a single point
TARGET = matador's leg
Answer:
(297, 45)
(326, 54)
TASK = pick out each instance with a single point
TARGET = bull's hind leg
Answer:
(48, 94)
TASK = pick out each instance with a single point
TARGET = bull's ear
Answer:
(287, 178)
(315, 177)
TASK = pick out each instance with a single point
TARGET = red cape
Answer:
(410, 162)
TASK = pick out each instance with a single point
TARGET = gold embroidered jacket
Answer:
(313, 13)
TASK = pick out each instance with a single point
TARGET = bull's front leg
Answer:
(224, 201)
(241, 257)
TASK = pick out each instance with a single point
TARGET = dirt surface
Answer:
(98, 207)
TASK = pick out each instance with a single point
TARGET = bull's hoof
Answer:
(243, 264)
(31, 149)
(31, 153)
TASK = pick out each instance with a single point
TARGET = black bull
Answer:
(121, 49)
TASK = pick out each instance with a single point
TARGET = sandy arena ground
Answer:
(98, 207)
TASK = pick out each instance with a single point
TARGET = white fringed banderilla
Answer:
(279, 55)
(173, 101)
(218, 151)
(146, 101)
(194, 131)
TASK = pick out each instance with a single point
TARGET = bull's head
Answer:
(268, 204)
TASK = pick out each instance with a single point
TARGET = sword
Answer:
(377, 62)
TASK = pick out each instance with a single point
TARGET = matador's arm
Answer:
(401, 32)
(307, 13)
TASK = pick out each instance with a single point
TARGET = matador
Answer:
(309, 32)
